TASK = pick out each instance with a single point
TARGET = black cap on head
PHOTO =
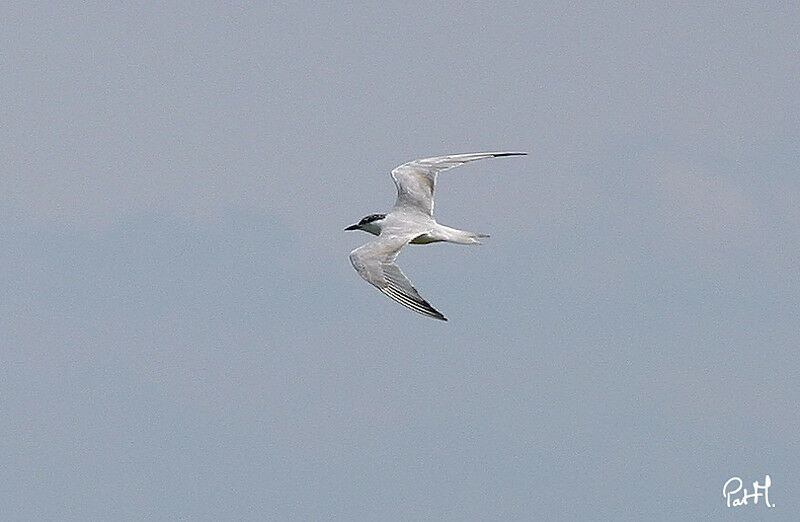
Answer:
(371, 218)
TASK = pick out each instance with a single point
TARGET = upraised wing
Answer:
(416, 179)
(375, 263)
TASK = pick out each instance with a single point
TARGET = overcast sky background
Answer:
(182, 332)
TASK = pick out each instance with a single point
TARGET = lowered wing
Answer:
(375, 263)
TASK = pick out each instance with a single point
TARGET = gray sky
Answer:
(183, 335)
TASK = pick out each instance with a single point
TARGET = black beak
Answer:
(353, 227)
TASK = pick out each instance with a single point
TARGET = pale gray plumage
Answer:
(375, 262)
(410, 221)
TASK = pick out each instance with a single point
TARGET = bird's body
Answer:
(410, 221)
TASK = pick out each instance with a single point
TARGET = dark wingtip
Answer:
(434, 313)
(502, 154)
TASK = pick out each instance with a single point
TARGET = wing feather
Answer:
(375, 263)
(416, 180)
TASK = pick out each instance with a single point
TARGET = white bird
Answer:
(410, 221)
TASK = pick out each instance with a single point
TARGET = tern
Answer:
(410, 221)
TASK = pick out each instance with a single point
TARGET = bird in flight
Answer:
(410, 221)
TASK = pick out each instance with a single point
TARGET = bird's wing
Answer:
(416, 179)
(375, 263)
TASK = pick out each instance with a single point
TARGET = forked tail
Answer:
(461, 237)
(477, 237)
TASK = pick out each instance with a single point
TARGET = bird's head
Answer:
(371, 224)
